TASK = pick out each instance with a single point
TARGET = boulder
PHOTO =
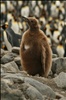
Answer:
(32, 92)
(58, 65)
(9, 67)
(54, 55)
(8, 57)
(3, 52)
(15, 50)
(63, 98)
(60, 80)
(42, 88)
(17, 60)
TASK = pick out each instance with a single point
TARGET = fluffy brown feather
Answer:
(35, 52)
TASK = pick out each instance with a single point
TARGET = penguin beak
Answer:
(25, 19)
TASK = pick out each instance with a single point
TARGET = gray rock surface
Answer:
(19, 85)
(54, 56)
(26, 87)
(59, 65)
(8, 57)
(33, 93)
(17, 60)
(3, 52)
(16, 85)
(15, 50)
(9, 67)
(60, 80)
(44, 89)
(63, 98)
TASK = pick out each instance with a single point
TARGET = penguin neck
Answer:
(33, 29)
(60, 46)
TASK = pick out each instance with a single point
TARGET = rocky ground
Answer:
(18, 85)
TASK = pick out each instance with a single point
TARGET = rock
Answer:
(3, 52)
(54, 55)
(9, 67)
(13, 94)
(32, 92)
(63, 98)
(2, 68)
(20, 86)
(15, 50)
(13, 91)
(29, 90)
(42, 88)
(10, 91)
(8, 57)
(58, 96)
(58, 65)
(18, 61)
(14, 75)
(60, 80)
(4, 85)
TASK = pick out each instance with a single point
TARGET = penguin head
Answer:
(4, 26)
(61, 38)
(32, 22)
(60, 45)
(49, 39)
(50, 20)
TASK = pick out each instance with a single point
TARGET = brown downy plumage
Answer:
(35, 52)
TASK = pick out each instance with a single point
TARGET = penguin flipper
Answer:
(46, 57)
(43, 57)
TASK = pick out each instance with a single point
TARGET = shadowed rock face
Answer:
(18, 84)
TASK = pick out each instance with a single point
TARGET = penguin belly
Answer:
(60, 51)
(31, 60)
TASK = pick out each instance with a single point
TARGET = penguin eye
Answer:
(32, 21)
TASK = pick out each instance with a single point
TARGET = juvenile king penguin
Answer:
(35, 52)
